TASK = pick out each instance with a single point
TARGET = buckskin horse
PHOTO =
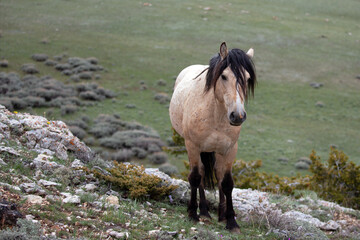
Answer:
(207, 110)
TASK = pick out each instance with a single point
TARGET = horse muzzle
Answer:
(236, 119)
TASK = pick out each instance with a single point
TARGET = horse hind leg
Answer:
(204, 204)
(208, 161)
(195, 181)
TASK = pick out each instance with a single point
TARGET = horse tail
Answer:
(208, 160)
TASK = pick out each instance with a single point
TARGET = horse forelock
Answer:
(239, 62)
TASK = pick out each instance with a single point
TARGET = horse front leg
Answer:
(194, 179)
(223, 167)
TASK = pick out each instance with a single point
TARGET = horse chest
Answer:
(218, 139)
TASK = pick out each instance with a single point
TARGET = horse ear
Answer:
(223, 50)
(250, 53)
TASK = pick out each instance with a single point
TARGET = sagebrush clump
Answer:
(135, 181)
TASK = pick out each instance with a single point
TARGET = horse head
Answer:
(232, 76)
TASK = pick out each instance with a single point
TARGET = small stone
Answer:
(358, 77)
(72, 199)
(46, 183)
(331, 226)
(30, 187)
(53, 198)
(305, 159)
(161, 82)
(2, 162)
(34, 199)
(114, 200)
(154, 233)
(45, 41)
(9, 150)
(283, 160)
(29, 217)
(4, 63)
(172, 233)
(130, 106)
(193, 230)
(316, 85)
(319, 104)
(77, 164)
(90, 187)
(119, 235)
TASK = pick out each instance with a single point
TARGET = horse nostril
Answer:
(232, 117)
(244, 117)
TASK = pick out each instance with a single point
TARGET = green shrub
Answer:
(133, 179)
(338, 180)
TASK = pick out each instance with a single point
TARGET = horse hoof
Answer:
(206, 215)
(194, 218)
(235, 230)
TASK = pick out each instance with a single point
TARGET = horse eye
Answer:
(223, 77)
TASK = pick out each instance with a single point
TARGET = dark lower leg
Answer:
(222, 205)
(227, 186)
(194, 180)
(204, 205)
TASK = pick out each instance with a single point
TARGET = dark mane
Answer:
(238, 61)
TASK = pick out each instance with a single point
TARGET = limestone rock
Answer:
(69, 198)
(34, 199)
(113, 200)
(90, 187)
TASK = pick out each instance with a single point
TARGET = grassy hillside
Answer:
(295, 42)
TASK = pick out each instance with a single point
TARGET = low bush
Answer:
(79, 123)
(90, 95)
(302, 165)
(25, 229)
(122, 155)
(158, 158)
(18, 103)
(77, 131)
(103, 129)
(7, 103)
(135, 181)
(68, 109)
(35, 101)
(169, 170)
(139, 152)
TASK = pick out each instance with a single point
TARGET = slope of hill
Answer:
(44, 189)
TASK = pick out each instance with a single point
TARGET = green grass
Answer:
(295, 42)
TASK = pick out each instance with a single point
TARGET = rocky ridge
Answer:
(40, 163)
